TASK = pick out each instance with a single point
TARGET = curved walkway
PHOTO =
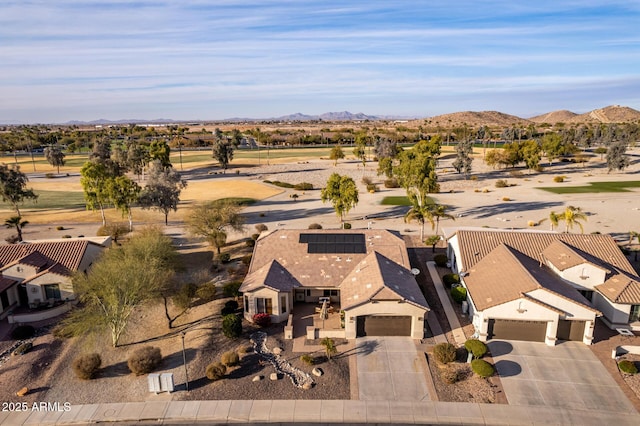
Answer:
(310, 411)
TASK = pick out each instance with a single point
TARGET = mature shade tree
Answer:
(13, 186)
(336, 154)
(120, 281)
(616, 156)
(236, 138)
(54, 156)
(531, 154)
(223, 152)
(462, 163)
(94, 178)
(212, 221)
(552, 146)
(163, 189)
(17, 223)
(160, 151)
(416, 170)
(342, 192)
(137, 158)
(572, 216)
(123, 193)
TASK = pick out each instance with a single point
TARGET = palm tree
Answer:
(439, 211)
(632, 235)
(421, 214)
(329, 347)
(18, 223)
(572, 216)
(553, 219)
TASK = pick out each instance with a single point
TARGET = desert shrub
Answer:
(506, 199)
(113, 230)
(224, 257)
(255, 236)
(450, 279)
(263, 320)
(532, 223)
(250, 243)
(391, 183)
(66, 236)
(22, 332)
(231, 289)
(261, 227)
(230, 358)
(476, 347)
(215, 371)
(49, 175)
(558, 179)
(22, 349)
(444, 353)
(207, 291)
(474, 177)
(515, 173)
(451, 375)
(245, 349)
(628, 367)
(315, 226)
(308, 359)
(279, 183)
(246, 259)
(231, 326)
(144, 360)
(501, 183)
(86, 366)
(459, 294)
(440, 259)
(482, 368)
(372, 187)
(346, 225)
(12, 239)
(59, 228)
(367, 180)
(231, 304)
(303, 186)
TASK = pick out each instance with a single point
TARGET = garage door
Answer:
(379, 325)
(531, 331)
(571, 330)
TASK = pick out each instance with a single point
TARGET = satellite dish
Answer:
(415, 271)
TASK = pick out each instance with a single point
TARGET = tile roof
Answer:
(379, 278)
(67, 253)
(57, 269)
(506, 274)
(563, 257)
(476, 244)
(271, 275)
(622, 289)
(326, 270)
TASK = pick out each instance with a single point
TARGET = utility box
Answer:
(154, 383)
(166, 382)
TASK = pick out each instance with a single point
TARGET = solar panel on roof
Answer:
(334, 243)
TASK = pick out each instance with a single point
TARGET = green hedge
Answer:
(476, 347)
(482, 368)
(459, 294)
(628, 367)
(450, 279)
(440, 259)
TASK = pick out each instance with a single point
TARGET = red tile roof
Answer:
(67, 253)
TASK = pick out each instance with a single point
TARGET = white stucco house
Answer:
(364, 273)
(543, 286)
(38, 274)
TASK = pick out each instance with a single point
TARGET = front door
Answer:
(299, 295)
(22, 295)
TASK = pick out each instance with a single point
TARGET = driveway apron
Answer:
(389, 369)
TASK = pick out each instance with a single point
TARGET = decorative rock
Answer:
(307, 385)
(274, 376)
(317, 372)
(277, 351)
(257, 378)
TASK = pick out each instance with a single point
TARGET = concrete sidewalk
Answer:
(313, 411)
(456, 329)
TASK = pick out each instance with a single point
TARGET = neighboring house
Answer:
(543, 286)
(37, 273)
(366, 272)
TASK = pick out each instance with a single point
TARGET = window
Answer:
(328, 293)
(283, 304)
(308, 293)
(246, 303)
(264, 305)
(52, 291)
(588, 294)
(635, 313)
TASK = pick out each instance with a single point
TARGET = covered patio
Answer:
(309, 322)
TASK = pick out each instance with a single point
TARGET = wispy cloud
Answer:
(81, 59)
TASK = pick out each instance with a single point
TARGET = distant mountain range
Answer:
(610, 114)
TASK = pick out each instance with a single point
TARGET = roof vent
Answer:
(355, 296)
(368, 285)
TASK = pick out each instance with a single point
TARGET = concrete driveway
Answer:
(390, 369)
(564, 376)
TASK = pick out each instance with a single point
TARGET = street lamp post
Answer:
(184, 360)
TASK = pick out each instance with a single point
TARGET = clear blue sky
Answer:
(66, 60)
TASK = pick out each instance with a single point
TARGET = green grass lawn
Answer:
(51, 200)
(593, 187)
(400, 200)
